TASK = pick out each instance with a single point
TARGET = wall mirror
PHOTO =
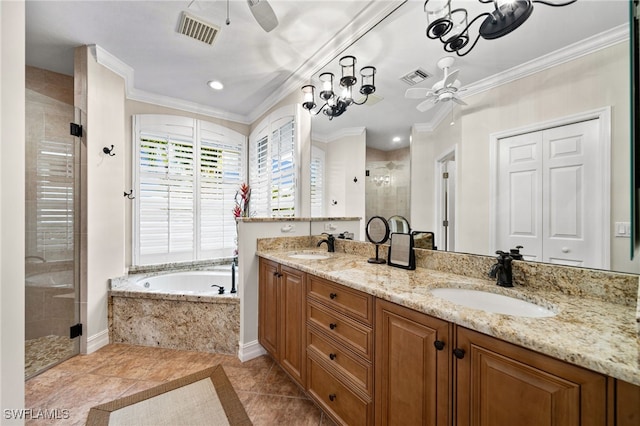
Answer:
(439, 166)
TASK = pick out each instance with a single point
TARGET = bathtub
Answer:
(191, 282)
(56, 279)
(176, 310)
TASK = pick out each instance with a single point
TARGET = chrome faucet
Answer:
(502, 269)
(330, 240)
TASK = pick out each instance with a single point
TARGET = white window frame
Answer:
(198, 131)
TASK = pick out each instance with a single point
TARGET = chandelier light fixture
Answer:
(334, 104)
(451, 26)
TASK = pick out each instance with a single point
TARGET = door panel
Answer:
(547, 200)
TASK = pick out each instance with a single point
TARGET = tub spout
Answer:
(220, 288)
(233, 276)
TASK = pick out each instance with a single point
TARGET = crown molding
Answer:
(573, 51)
(119, 67)
(367, 19)
(342, 133)
(360, 25)
(584, 47)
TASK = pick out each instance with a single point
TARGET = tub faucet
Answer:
(233, 276)
(502, 269)
(220, 288)
(330, 240)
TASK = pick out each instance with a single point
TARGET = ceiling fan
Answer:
(264, 14)
(444, 90)
(260, 9)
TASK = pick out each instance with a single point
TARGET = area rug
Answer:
(202, 398)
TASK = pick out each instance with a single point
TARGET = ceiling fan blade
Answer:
(450, 79)
(426, 105)
(458, 101)
(264, 14)
(416, 93)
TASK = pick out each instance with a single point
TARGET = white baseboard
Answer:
(97, 341)
(250, 350)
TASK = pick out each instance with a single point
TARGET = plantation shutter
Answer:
(186, 174)
(221, 174)
(273, 166)
(317, 182)
(283, 169)
(166, 196)
(260, 176)
(54, 205)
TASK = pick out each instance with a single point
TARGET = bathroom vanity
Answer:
(371, 345)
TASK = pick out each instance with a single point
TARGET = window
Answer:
(187, 173)
(273, 166)
(317, 182)
(54, 200)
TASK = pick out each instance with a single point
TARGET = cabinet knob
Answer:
(458, 353)
(333, 295)
(333, 325)
(439, 344)
(332, 397)
(332, 356)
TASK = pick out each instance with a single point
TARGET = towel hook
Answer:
(108, 151)
(129, 194)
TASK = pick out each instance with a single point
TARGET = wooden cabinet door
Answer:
(292, 323)
(412, 377)
(500, 384)
(268, 312)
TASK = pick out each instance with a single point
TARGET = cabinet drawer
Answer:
(357, 371)
(352, 334)
(353, 303)
(344, 405)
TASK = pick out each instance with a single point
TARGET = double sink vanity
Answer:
(373, 344)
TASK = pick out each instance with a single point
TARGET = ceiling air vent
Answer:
(194, 27)
(415, 77)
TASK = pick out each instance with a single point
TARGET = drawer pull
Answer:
(332, 397)
(333, 325)
(439, 344)
(333, 295)
(332, 356)
(458, 353)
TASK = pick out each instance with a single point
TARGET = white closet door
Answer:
(547, 197)
(572, 210)
(519, 192)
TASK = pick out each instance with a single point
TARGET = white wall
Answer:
(103, 243)
(12, 198)
(346, 160)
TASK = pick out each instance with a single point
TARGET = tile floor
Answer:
(268, 394)
(46, 351)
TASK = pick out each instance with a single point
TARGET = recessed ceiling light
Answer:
(396, 139)
(215, 85)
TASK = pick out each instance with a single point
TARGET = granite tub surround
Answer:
(209, 324)
(173, 320)
(591, 328)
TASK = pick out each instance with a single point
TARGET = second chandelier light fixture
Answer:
(336, 104)
(451, 26)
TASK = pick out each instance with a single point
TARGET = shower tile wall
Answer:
(49, 293)
(390, 194)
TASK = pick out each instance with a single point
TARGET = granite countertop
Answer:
(587, 332)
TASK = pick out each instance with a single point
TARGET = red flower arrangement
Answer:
(243, 195)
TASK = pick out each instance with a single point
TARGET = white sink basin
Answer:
(308, 256)
(492, 302)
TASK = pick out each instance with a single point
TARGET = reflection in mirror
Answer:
(398, 223)
(423, 240)
(563, 65)
(377, 231)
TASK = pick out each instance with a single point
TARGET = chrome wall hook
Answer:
(108, 151)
